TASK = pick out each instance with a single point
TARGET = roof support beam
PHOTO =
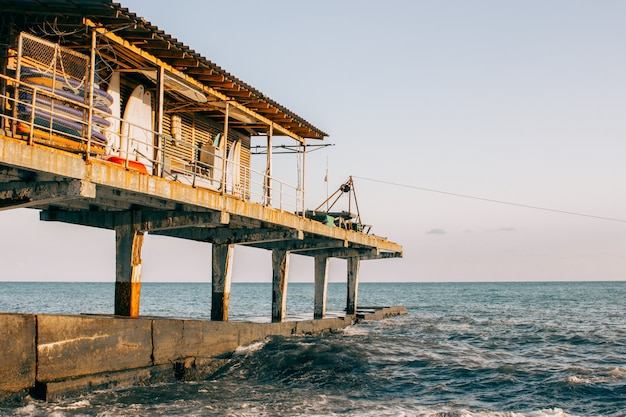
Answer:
(16, 194)
(160, 63)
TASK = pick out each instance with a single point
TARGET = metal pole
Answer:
(31, 135)
(92, 76)
(226, 115)
(303, 177)
(160, 142)
(268, 169)
(20, 47)
(194, 157)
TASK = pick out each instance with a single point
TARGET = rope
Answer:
(490, 200)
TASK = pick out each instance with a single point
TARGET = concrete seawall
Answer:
(51, 356)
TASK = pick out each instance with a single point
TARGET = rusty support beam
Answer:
(306, 246)
(143, 220)
(342, 252)
(17, 194)
(225, 235)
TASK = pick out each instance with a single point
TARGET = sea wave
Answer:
(465, 350)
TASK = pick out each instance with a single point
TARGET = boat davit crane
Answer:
(343, 219)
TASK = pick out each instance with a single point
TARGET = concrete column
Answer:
(128, 242)
(280, 269)
(353, 284)
(221, 279)
(321, 286)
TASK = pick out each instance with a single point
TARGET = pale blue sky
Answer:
(521, 101)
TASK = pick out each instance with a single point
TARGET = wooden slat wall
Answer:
(198, 130)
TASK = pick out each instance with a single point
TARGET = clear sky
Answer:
(518, 101)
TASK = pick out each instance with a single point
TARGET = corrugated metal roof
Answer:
(67, 16)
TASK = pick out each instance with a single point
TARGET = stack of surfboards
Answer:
(131, 138)
(61, 115)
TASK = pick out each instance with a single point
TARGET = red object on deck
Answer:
(137, 166)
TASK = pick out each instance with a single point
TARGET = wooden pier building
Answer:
(107, 121)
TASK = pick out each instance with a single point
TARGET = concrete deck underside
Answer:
(92, 192)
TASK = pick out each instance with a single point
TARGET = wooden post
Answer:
(225, 148)
(89, 102)
(321, 286)
(268, 169)
(353, 284)
(280, 269)
(303, 184)
(221, 279)
(159, 142)
(128, 242)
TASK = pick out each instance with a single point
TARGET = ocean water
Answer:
(464, 350)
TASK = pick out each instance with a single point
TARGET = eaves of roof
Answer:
(163, 46)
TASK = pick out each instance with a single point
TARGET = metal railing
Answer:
(39, 115)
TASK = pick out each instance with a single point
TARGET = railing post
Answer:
(226, 115)
(159, 121)
(303, 177)
(18, 70)
(32, 117)
(92, 76)
(267, 195)
(127, 151)
(194, 166)
(164, 141)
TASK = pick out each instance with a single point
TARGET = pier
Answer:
(107, 121)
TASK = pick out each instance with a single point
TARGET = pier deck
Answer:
(118, 125)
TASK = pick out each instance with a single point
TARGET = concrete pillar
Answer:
(280, 270)
(321, 286)
(221, 279)
(128, 242)
(353, 284)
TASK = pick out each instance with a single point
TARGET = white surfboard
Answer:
(233, 168)
(218, 165)
(137, 137)
(113, 132)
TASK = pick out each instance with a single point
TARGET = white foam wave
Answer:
(74, 406)
(252, 347)
(318, 405)
(28, 410)
(608, 376)
(356, 331)
(399, 411)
